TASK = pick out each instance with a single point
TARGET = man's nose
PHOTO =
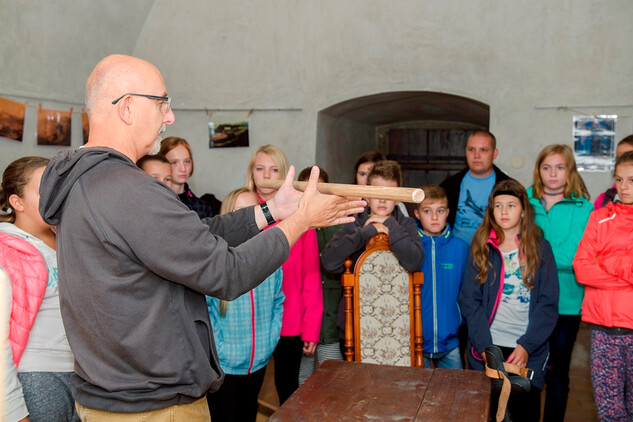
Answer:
(169, 118)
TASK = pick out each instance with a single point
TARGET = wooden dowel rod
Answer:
(357, 191)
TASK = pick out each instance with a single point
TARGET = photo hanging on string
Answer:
(12, 119)
(228, 128)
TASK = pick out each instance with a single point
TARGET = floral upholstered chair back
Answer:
(384, 308)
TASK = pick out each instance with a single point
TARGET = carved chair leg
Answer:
(349, 324)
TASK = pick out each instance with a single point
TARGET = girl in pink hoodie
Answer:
(303, 306)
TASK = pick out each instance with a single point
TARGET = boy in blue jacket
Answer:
(443, 275)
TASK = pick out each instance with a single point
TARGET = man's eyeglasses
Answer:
(165, 106)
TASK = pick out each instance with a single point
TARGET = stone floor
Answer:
(580, 406)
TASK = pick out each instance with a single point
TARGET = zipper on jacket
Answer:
(250, 366)
(434, 296)
(501, 283)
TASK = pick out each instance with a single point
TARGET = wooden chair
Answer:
(383, 311)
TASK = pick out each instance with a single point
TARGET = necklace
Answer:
(554, 193)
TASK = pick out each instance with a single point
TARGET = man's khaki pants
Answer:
(196, 411)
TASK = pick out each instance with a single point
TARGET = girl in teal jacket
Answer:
(246, 331)
(561, 206)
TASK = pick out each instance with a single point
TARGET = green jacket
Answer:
(332, 291)
(563, 226)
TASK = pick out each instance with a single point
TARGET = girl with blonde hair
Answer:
(302, 287)
(268, 162)
(561, 206)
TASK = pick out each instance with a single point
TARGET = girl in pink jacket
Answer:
(37, 360)
(303, 306)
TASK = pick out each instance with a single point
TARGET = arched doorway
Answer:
(424, 131)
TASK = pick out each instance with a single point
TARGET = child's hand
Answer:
(375, 219)
(309, 347)
(518, 357)
(381, 228)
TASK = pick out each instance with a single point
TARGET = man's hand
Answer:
(321, 210)
(286, 199)
(314, 209)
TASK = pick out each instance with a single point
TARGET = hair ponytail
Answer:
(15, 177)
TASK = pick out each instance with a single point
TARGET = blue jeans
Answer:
(449, 360)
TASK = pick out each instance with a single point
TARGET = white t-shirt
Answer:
(511, 319)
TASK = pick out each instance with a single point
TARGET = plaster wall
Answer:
(288, 60)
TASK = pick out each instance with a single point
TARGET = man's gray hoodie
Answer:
(134, 266)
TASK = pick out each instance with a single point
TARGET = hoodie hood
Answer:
(63, 171)
(13, 230)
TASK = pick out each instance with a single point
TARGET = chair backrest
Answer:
(383, 313)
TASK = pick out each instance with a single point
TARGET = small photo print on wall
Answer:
(228, 128)
(594, 139)
(12, 119)
(85, 127)
(53, 127)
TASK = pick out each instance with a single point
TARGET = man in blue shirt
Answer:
(469, 189)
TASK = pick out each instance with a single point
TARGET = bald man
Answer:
(135, 263)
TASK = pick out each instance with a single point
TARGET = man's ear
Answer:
(16, 203)
(494, 156)
(124, 109)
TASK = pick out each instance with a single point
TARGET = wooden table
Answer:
(344, 391)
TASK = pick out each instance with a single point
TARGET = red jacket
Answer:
(604, 264)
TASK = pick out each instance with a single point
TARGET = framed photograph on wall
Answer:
(53, 127)
(594, 142)
(228, 128)
(85, 127)
(12, 119)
